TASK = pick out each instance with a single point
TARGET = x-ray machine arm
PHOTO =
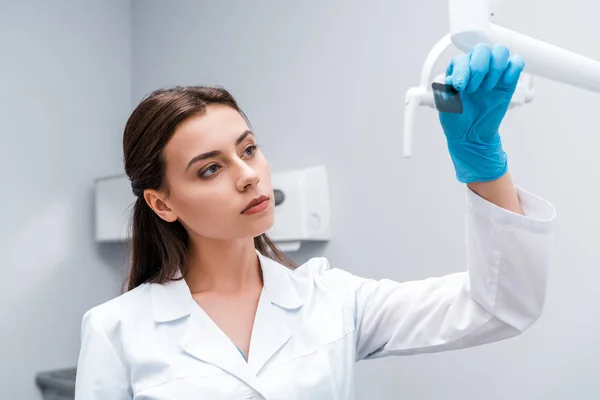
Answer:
(469, 25)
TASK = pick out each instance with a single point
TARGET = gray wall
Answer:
(64, 96)
(328, 79)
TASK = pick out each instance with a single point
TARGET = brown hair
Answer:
(158, 247)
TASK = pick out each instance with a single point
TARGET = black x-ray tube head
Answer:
(279, 197)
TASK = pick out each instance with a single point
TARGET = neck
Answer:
(225, 266)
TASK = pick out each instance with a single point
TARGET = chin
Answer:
(267, 224)
(262, 225)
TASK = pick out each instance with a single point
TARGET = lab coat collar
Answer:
(278, 285)
(173, 300)
(202, 338)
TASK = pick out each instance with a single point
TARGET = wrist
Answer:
(478, 162)
(500, 192)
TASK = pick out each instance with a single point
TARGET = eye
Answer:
(210, 171)
(250, 150)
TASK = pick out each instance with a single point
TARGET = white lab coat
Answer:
(312, 324)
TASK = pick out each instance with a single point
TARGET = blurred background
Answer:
(322, 82)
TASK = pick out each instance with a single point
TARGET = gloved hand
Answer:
(486, 79)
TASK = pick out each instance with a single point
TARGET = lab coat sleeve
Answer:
(100, 373)
(499, 295)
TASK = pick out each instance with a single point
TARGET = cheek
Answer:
(264, 172)
(205, 208)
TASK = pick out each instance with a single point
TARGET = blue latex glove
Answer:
(486, 79)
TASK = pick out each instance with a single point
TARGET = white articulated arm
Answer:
(422, 95)
(469, 25)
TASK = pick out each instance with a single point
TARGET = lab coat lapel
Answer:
(269, 334)
(270, 331)
(204, 340)
(201, 338)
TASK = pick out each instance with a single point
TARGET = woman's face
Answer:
(214, 170)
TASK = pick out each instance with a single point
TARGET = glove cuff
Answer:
(475, 162)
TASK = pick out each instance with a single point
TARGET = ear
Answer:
(157, 203)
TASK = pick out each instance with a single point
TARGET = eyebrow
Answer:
(215, 153)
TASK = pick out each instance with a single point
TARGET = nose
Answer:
(248, 177)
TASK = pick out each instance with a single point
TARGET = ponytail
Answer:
(158, 247)
(269, 249)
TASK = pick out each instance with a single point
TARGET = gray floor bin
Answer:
(58, 384)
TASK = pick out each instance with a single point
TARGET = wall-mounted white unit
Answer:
(303, 208)
(114, 207)
(302, 211)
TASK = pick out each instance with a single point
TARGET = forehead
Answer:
(216, 129)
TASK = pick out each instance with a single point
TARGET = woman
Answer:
(214, 311)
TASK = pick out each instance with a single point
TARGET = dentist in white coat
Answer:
(213, 310)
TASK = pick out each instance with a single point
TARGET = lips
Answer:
(255, 202)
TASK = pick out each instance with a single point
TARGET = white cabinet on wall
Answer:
(114, 205)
